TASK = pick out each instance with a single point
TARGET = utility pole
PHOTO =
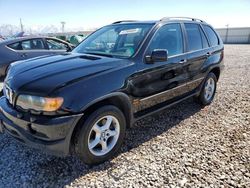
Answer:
(63, 24)
(21, 25)
(226, 40)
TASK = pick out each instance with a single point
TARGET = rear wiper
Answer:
(100, 54)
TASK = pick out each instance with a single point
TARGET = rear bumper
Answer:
(49, 134)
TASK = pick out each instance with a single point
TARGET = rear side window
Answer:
(168, 37)
(194, 37)
(34, 44)
(204, 39)
(15, 46)
(211, 35)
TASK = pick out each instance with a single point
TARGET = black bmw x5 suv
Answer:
(82, 102)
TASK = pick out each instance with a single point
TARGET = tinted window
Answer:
(168, 37)
(204, 39)
(56, 45)
(193, 37)
(34, 44)
(211, 35)
(15, 46)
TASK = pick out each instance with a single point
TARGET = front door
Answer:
(162, 81)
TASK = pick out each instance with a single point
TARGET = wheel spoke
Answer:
(212, 88)
(209, 92)
(206, 87)
(94, 142)
(104, 145)
(97, 129)
(112, 133)
(210, 82)
(108, 122)
(207, 95)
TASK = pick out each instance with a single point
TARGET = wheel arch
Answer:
(216, 71)
(118, 99)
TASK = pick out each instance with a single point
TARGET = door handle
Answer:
(24, 55)
(182, 61)
(208, 54)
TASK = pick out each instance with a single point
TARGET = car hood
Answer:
(44, 75)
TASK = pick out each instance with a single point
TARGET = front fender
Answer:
(120, 95)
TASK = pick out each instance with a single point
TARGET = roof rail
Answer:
(121, 21)
(182, 18)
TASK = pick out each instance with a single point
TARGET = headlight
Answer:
(39, 103)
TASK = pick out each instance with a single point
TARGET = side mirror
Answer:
(157, 55)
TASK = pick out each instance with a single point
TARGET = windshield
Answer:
(115, 40)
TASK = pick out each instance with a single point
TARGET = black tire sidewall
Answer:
(202, 98)
(81, 146)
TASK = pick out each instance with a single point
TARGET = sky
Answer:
(82, 14)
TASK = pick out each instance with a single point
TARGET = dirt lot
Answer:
(185, 146)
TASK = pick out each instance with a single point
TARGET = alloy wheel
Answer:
(209, 89)
(104, 135)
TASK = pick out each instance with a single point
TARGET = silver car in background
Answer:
(23, 48)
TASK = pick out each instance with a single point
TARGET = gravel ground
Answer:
(185, 146)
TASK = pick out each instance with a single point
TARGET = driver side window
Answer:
(168, 37)
(56, 45)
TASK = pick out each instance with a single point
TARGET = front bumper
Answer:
(49, 134)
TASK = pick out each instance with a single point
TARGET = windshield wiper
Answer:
(100, 54)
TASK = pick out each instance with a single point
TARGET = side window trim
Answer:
(184, 38)
(155, 32)
(15, 50)
(209, 43)
(201, 31)
(46, 46)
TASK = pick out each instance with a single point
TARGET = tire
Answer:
(206, 96)
(106, 124)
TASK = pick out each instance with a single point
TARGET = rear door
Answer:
(32, 48)
(162, 81)
(216, 46)
(198, 51)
